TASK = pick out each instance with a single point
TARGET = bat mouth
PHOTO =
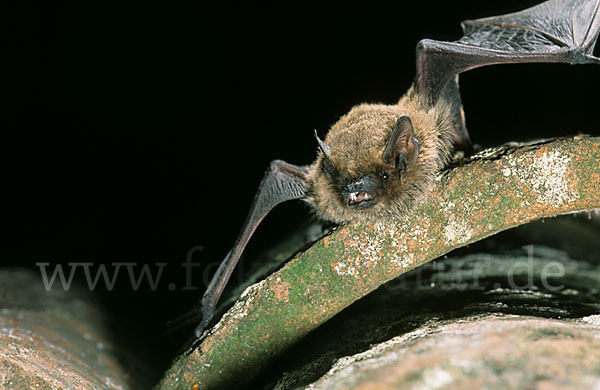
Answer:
(361, 200)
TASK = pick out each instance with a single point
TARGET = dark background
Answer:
(135, 132)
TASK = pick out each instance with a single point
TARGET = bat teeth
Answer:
(358, 197)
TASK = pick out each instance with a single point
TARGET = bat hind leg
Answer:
(460, 135)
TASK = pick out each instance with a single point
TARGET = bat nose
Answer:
(366, 184)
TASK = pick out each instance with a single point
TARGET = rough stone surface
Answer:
(56, 339)
(496, 352)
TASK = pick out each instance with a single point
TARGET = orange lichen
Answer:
(281, 290)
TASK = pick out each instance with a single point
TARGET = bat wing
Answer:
(553, 31)
(282, 182)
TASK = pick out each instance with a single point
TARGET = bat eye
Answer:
(385, 176)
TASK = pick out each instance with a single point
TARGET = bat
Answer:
(378, 161)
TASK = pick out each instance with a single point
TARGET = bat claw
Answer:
(199, 330)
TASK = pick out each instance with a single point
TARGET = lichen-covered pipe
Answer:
(496, 190)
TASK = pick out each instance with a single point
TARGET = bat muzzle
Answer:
(359, 194)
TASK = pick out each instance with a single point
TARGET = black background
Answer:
(136, 131)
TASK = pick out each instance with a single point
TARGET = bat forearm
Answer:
(282, 182)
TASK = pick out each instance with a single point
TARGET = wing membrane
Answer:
(554, 31)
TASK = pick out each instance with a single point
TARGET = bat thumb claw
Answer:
(199, 330)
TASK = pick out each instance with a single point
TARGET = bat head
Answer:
(363, 163)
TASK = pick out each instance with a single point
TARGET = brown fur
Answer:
(357, 143)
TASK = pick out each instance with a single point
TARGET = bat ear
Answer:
(328, 165)
(402, 146)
